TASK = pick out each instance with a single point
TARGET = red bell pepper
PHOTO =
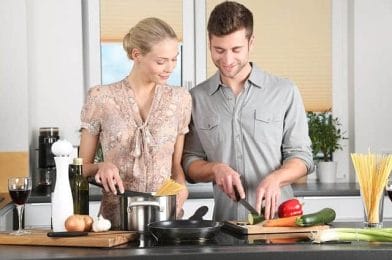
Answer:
(291, 207)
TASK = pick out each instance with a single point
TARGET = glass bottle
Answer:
(79, 187)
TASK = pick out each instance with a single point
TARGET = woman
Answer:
(139, 121)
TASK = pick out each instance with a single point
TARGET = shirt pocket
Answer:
(208, 130)
(268, 128)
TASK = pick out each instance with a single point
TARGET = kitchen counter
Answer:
(204, 190)
(235, 248)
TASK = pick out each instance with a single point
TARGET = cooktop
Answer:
(222, 238)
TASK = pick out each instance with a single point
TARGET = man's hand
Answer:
(225, 177)
(109, 176)
(269, 191)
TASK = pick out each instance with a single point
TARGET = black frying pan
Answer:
(192, 229)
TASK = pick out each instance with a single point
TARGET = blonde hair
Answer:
(145, 34)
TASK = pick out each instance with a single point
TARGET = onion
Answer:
(78, 223)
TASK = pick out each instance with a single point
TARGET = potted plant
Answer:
(325, 134)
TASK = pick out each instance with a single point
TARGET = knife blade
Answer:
(244, 202)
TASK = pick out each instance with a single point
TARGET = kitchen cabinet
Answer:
(191, 205)
(6, 217)
(38, 215)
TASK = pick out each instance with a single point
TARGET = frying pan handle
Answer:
(199, 213)
(126, 193)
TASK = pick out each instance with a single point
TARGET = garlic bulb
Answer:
(101, 224)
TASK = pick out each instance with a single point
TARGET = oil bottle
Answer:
(79, 187)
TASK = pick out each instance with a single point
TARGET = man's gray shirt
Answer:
(253, 132)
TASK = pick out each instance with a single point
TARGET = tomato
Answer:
(291, 207)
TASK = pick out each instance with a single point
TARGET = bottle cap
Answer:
(78, 161)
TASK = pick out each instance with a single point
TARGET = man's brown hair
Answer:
(228, 17)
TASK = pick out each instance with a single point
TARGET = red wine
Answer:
(20, 196)
(389, 194)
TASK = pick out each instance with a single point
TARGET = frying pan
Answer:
(192, 229)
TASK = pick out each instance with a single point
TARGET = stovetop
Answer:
(222, 238)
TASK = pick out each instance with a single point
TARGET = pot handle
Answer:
(144, 203)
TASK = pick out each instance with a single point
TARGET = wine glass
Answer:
(19, 189)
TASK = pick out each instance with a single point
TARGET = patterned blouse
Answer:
(142, 151)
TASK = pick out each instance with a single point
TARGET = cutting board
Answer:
(245, 229)
(98, 239)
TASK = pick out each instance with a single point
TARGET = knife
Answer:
(244, 202)
(67, 234)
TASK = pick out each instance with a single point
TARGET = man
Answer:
(249, 130)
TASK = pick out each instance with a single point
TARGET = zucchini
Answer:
(322, 217)
(255, 218)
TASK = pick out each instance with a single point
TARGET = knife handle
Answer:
(67, 234)
(237, 194)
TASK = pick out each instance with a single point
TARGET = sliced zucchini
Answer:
(254, 218)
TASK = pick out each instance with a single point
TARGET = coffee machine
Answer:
(46, 172)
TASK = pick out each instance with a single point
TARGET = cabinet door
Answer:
(38, 215)
(94, 208)
(191, 205)
(6, 218)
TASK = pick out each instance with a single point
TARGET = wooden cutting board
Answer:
(98, 239)
(245, 229)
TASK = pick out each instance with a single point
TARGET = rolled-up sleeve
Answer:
(91, 112)
(193, 150)
(296, 142)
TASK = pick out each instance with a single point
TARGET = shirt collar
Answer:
(256, 78)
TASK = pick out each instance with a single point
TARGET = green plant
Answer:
(325, 134)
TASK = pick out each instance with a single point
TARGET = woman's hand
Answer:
(181, 198)
(109, 176)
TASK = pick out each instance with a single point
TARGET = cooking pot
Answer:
(138, 209)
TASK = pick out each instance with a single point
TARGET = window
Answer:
(293, 39)
(116, 18)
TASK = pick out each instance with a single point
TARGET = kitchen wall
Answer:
(42, 75)
(371, 83)
(14, 120)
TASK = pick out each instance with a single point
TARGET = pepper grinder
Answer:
(62, 202)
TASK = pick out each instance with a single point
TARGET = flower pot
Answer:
(326, 172)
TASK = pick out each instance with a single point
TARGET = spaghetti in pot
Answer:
(372, 171)
(169, 187)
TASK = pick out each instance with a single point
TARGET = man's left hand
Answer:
(269, 191)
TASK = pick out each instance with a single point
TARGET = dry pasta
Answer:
(372, 171)
(169, 187)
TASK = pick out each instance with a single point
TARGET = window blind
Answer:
(118, 16)
(293, 40)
